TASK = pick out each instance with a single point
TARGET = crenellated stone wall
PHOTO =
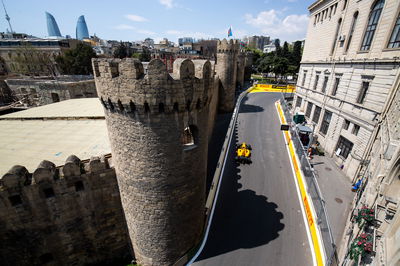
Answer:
(151, 195)
(226, 69)
(161, 178)
(68, 215)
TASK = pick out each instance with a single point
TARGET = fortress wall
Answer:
(161, 179)
(226, 69)
(70, 215)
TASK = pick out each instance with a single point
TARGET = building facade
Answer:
(34, 57)
(349, 90)
(344, 84)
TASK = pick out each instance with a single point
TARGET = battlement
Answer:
(54, 211)
(18, 177)
(226, 46)
(122, 85)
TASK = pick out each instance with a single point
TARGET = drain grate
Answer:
(328, 169)
(338, 200)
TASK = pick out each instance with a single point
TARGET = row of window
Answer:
(344, 146)
(361, 95)
(324, 14)
(372, 24)
(355, 130)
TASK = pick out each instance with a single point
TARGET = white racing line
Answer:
(299, 196)
(236, 111)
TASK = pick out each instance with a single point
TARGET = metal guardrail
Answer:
(313, 191)
(216, 182)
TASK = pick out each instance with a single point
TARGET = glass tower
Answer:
(52, 27)
(81, 29)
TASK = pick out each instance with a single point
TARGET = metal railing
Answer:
(313, 191)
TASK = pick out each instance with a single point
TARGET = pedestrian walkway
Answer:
(336, 190)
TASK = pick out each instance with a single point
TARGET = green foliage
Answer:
(121, 52)
(282, 62)
(145, 56)
(77, 61)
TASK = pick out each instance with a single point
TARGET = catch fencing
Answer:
(313, 191)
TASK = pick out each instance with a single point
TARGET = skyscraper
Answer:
(81, 29)
(52, 27)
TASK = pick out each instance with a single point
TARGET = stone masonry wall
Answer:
(39, 92)
(226, 69)
(71, 215)
(161, 179)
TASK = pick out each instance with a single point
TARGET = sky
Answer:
(134, 20)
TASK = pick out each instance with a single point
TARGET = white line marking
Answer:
(299, 195)
(216, 197)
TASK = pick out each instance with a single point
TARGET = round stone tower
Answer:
(240, 62)
(157, 125)
(226, 68)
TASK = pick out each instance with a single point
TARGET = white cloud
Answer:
(196, 35)
(146, 32)
(135, 18)
(167, 3)
(269, 22)
(124, 27)
(174, 32)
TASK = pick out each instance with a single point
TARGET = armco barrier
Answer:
(216, 182)
(313, 191)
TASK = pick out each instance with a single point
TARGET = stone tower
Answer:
(248, 65)
(240, 62)
(226, 69)
(157, 125)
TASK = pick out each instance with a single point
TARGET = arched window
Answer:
(336, 35)
(161, 108)
(394, 41)
(373, 20)
(190, 136)
(353, 25)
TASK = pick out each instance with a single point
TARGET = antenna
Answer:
(7, 16)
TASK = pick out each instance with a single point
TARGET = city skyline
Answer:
(172, 19)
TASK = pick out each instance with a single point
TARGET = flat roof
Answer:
(53, 132)
(75, 108)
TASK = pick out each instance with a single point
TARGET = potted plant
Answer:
(361, 245)
(364, 215)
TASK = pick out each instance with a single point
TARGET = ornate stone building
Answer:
(349, 67)
(348, 88)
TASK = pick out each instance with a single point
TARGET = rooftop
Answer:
(53, 132)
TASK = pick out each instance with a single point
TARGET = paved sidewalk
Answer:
(336, 191)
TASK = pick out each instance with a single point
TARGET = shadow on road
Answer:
(249, 108)
(242, 219)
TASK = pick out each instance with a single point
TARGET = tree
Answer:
(31, 61)
(144, 56)
(285, 50)
(77, 61)
(121, 52)
(296, 54)
(278, 47)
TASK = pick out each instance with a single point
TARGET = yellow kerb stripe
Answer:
(305, 199)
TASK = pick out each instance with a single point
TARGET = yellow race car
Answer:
(243, 153)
